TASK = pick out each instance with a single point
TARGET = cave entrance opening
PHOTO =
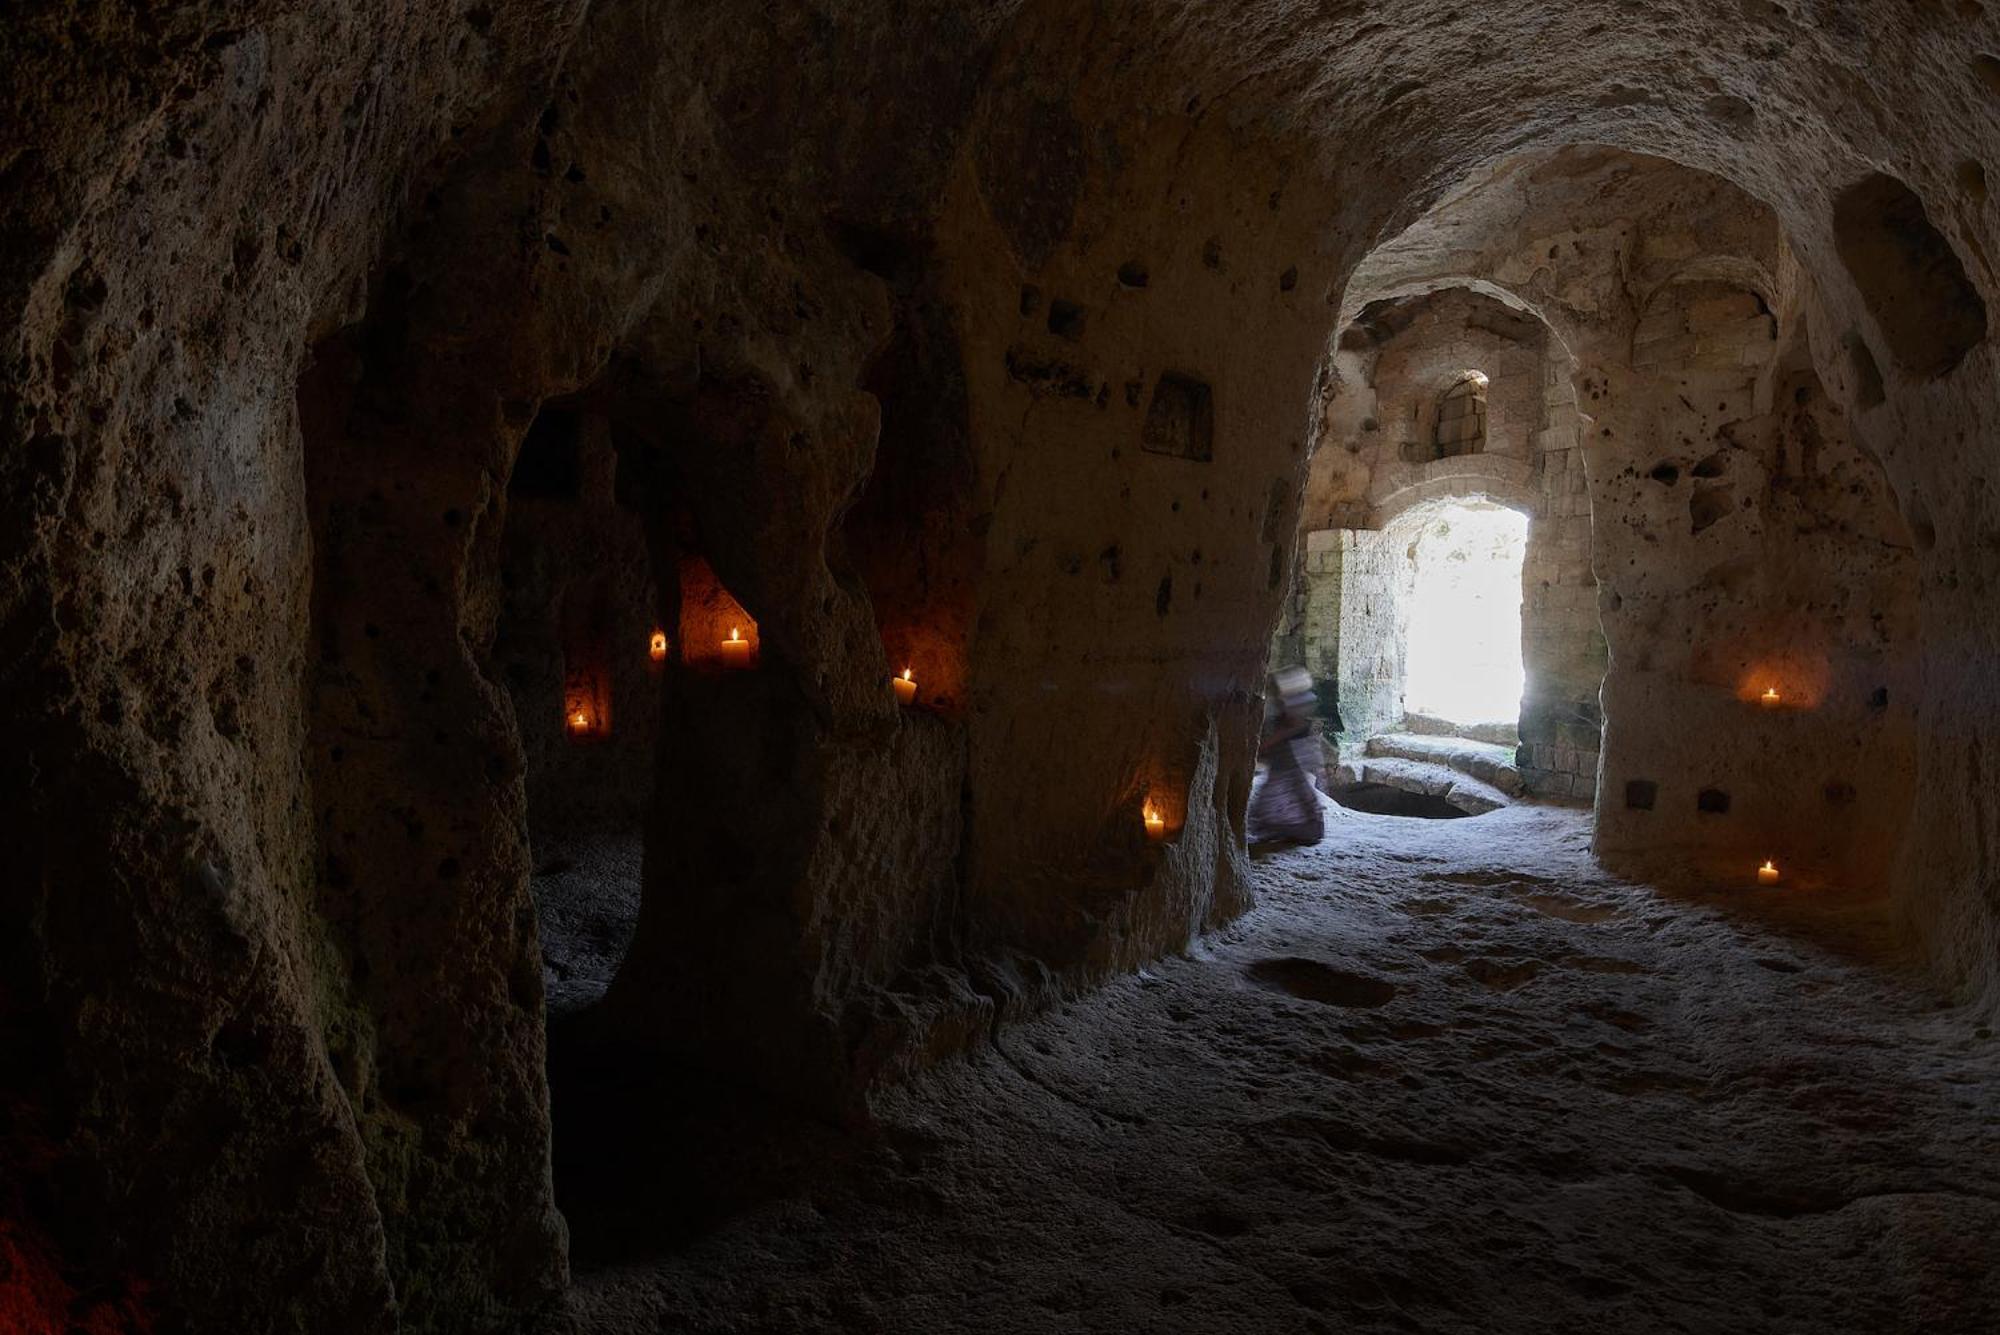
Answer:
(1463, 646)
(1425, 616)
(1453, 419)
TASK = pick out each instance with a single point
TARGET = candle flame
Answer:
(1768, 866)
(733, 635)
(907, 676)
(659, 644)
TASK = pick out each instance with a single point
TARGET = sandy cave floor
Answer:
(586, 894)
(1447, 1076)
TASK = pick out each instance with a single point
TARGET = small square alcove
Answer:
(1641, 794)
(1181, 419)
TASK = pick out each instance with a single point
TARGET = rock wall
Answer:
(1740, 541)
(573, 639)
(286, 290)
(194, 199)
(1759, 551)
(1140, 485)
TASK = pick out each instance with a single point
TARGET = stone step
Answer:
(1468, 794)
(1491, 765)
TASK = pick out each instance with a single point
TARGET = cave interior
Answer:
(636, 640)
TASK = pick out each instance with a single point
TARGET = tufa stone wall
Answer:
(1736, 531)
(1562, 639)
(285, 289)
(573, 636)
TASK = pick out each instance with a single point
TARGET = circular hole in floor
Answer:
(1379, 799)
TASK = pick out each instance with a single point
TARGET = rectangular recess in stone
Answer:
(1712, 802)
(1181, 419)
(1641, 794)
(1066, 319)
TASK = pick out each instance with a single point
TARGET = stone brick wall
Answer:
(1377, 476)
(1363, 601)
(1461, 424)
(1562, 643)
(1703, 327)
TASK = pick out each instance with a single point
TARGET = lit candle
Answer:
(579, 721)
(1156, 824)
(658, 648)
(736, 649)
(1769, 699)
(1767, 874)
(906, 686)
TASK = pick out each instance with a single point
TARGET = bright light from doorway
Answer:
(1463, 660)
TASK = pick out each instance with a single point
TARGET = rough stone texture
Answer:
(193, 199)
(586, 904)
(1460, 790)
(875, 302)
(1483, 761)
(1739, 538)
(1447, 1076)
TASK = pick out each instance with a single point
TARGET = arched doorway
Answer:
(1463, 647)
(579, 646)
(1456, 401)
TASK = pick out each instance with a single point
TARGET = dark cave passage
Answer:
(582, 647)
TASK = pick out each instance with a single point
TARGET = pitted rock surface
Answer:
(1447, 1076)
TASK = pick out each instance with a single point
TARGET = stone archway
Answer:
(1375, 480)
(581, 647)
(1707, 406)
(1371, 636)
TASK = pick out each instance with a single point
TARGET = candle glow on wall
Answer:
(1788, 679)
(656, 649)
(586, 700)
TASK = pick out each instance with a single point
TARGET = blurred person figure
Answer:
(1285, 806)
